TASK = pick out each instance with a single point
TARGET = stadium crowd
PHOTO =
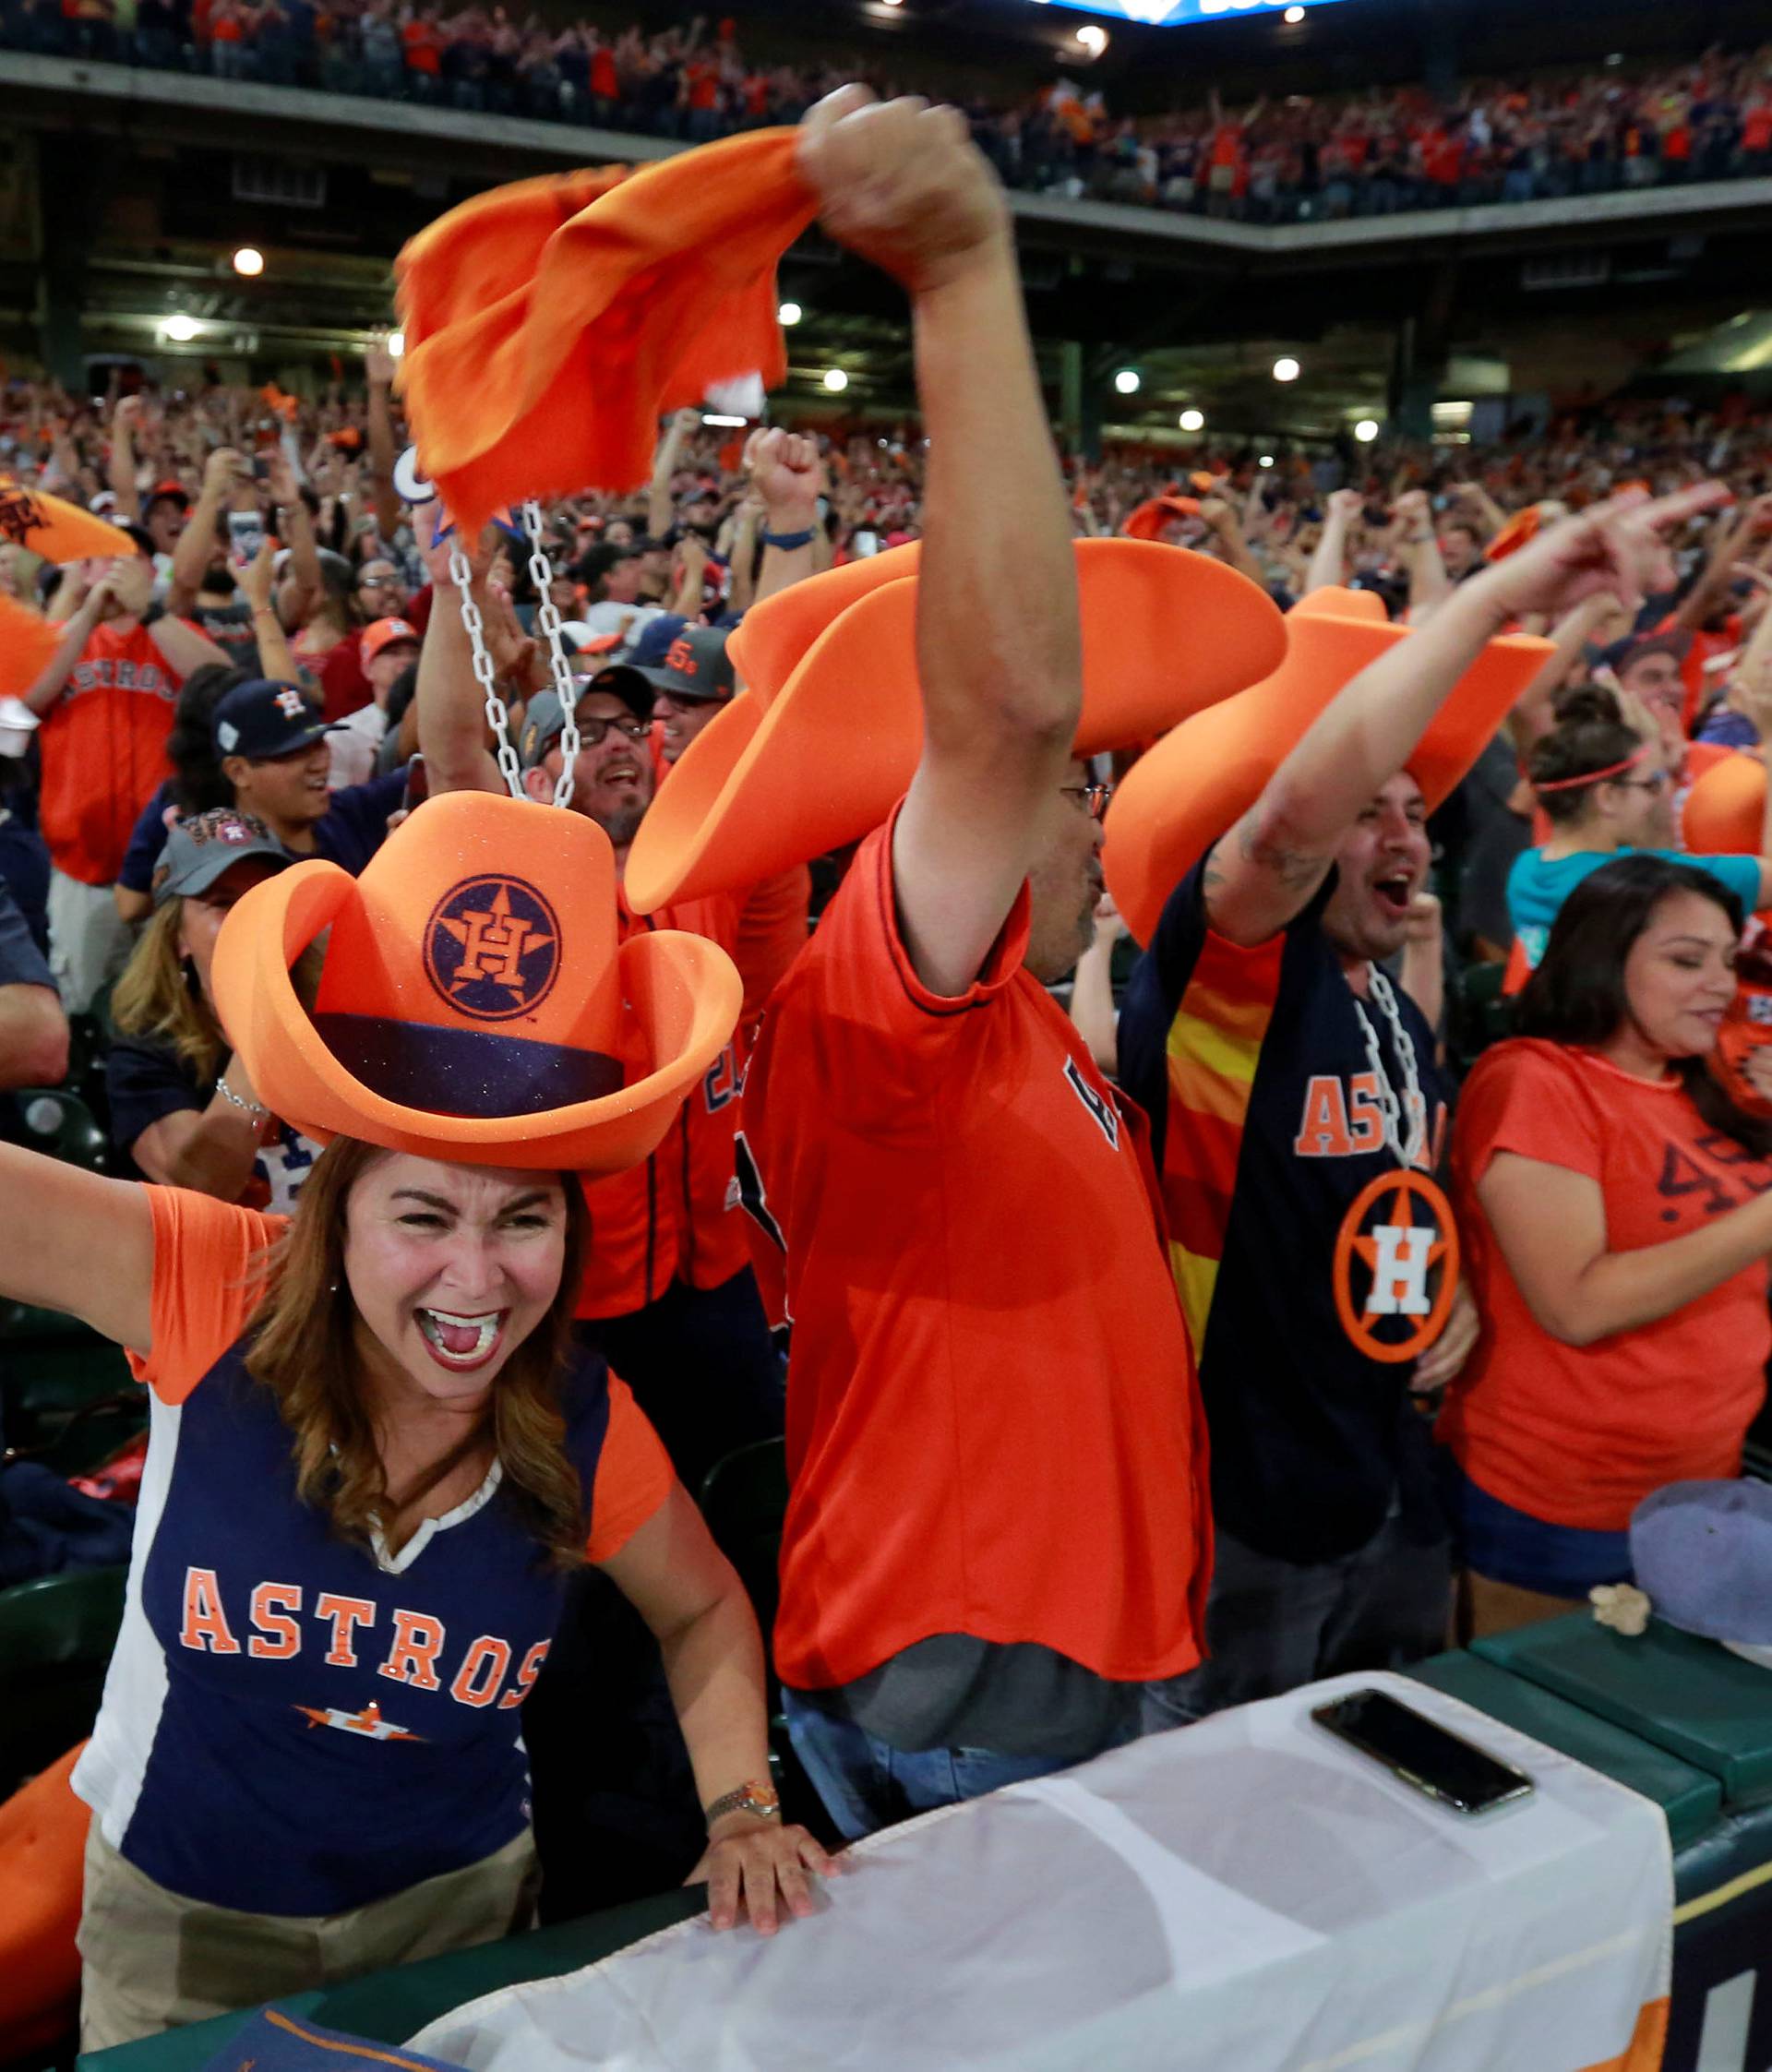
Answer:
(272, 854)
(1300, 159)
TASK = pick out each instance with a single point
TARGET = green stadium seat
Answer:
(57, 1634)
(61, 1124)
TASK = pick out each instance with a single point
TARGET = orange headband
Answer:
(1595, 776)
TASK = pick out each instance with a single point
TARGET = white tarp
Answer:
(1246, 1895)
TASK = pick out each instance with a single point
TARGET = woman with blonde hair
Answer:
(182, 1107)
(375, 1451)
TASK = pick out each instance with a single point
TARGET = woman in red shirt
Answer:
(1617, 1208)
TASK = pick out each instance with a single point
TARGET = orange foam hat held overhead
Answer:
(1175, 802)
(1725, 808)
(27, 643)
(474, 1005)
(823, 740)
(1149, 520)
(55, 529)
(549, 323)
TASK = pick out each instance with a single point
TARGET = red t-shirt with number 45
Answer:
(1579, 1435)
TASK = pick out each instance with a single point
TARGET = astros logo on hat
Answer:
(493, 947)
(474, 1004)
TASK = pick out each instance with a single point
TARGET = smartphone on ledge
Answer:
(1423, 1754)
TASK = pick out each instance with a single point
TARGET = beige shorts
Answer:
(151, 1960)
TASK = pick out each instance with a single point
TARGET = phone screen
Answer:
(1414, 1748)
(245, 534)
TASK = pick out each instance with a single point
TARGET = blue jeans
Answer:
(866, 1783)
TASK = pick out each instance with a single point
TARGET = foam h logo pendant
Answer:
(1396, 1266)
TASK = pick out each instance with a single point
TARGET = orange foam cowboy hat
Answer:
(55, 529)
(473, 1005)
(1176, 801)
(823, 740)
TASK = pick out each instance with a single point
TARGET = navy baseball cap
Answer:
(654, 640)
(207, 846)
(263, 719)
(696, 666)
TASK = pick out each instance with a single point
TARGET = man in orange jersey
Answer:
(998, 1537)
(106, 697)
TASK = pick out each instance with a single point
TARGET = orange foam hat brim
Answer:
(774, 780)
(27, 643)
(1522, 527)
(681, 994)
(548, 324)
(1724, 809)
(59, 530)
(1175, 802)
(1148, 520)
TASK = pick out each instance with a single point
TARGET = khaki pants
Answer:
(89, 941)
(151, 1960)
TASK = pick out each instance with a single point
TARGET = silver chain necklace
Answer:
(1408, 1151)
(566, 685)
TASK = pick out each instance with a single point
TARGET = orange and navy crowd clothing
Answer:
(993, 1434)
(676, 1216)
(1579, 1435)
(292, 1724)
(1267, 1128)
(103, 747)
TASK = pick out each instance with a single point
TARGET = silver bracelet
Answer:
(254, 1108)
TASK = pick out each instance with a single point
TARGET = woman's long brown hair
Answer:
(304, 1350)
(154, 998)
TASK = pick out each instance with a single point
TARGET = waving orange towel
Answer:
(27, 643)
(549, 323)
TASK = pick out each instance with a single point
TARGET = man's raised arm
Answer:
(998, 641)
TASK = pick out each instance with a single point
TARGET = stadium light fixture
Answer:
(789, 312)
(181, 330)
(249, 260)
(1127, 381)
(1366, 431)
(1266, 460)
(1192, 421)
(1286, 370)
(1093, 37)
(395, 344)
(1293, 16)
(719, 418)
(835, 381)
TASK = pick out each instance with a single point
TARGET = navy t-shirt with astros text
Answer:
(1255, 1070)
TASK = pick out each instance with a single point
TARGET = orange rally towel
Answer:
(549, 323)
(27, 643)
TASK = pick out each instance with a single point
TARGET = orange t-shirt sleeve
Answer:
(206, 1284)
(634, 1476)
(881, 1032)
(771, 933)
(1535, 1106)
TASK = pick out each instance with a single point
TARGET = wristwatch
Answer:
(763, 1800)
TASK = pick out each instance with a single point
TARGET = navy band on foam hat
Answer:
(475, 1004)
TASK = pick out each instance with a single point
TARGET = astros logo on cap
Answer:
(492, 948)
